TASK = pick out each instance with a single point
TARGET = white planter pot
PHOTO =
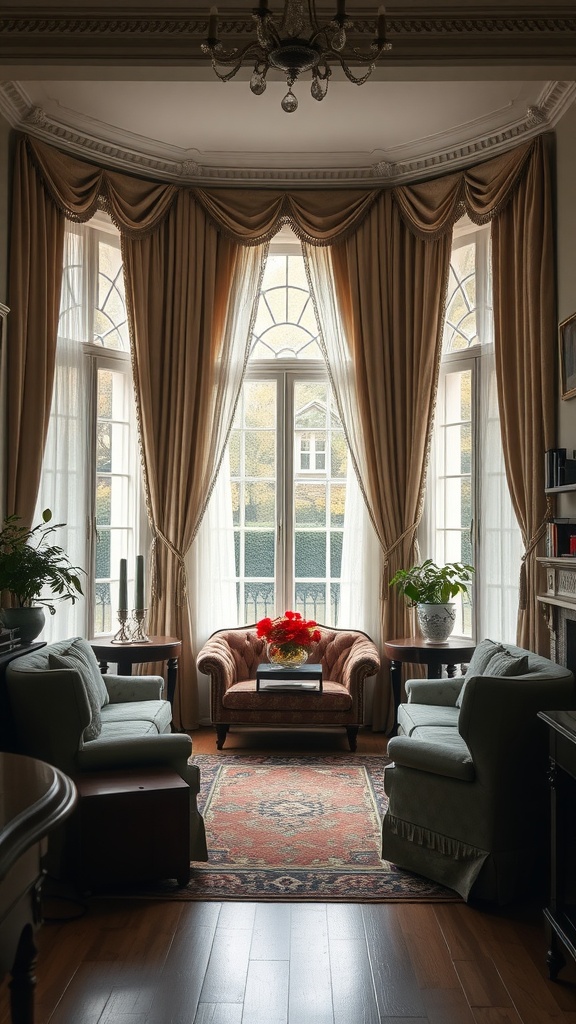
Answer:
(436, 621)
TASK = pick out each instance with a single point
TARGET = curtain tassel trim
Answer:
(182, 582)
(388, 551)
(530, 547)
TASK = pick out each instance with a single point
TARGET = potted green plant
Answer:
(30, 566)
(429, 588)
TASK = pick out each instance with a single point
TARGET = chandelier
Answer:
(299, 44)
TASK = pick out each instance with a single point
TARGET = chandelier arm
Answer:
(369, 58)
(227, 76)
(350, 76)
(227, 57)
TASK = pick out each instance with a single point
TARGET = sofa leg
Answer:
(352, 732)
(221, 731)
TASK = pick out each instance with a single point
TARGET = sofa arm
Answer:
(442, 692)
(361, 662)
(123, 689)
(50, 711)
(230, 656)
(172, 749)
(436, 758)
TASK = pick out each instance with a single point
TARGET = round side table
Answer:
(157, 648)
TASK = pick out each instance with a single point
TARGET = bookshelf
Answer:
(559, 470)
(557, 490)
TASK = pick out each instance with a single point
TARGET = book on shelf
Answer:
(559, 467)
(561, 538)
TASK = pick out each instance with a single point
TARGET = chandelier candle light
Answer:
(299, 44)
(288, 638)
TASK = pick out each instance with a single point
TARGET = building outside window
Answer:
(288, 460)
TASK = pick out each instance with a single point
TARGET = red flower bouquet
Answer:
(288, 637)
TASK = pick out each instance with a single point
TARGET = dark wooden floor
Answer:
(153, 962)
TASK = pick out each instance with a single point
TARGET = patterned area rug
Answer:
(304, 828)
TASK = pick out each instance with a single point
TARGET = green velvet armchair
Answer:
(467, 787)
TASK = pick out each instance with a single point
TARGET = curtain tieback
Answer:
(388, 551)
(534, 540)
(182, 585)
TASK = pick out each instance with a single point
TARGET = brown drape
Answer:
(178, 280)
(395, 340)
(35, 278)
(381, 284)
(391, 280)
(525, 349)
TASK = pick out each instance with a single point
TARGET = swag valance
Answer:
(252, 216)
(192, 259)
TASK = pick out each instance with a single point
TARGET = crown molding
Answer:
(545, 32)
(118, 150)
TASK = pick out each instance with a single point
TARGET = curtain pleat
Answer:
(526, 366)
(391, 287)
(35, 279)
(187, 376)
(391, 249)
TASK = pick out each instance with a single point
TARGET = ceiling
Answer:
(176, 121)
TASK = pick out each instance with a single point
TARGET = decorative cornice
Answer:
(171, 164)
(539, 31)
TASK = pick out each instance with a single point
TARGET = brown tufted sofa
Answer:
(231, 656)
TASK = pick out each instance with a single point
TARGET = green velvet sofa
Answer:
(467, 786)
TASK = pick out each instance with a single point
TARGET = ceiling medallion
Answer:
(299, 44)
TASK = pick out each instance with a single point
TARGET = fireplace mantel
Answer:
(560, 582)
(559, 604)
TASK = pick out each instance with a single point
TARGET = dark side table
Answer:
(157, 648)
(415, 651)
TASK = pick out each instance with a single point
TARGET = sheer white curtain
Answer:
(336, 352)
(501, 548)
(210, 562)
(64, 487)
(361, 573)
(210, 567)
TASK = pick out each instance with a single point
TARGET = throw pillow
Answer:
(82, 653)
(479, 662)
(506, 664)
(75, 658)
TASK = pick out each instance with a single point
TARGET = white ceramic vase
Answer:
(436, 621)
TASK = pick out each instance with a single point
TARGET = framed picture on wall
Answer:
(567, 342)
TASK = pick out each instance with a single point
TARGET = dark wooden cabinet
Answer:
(132, 826)
(560, 912)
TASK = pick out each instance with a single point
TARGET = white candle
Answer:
(123, 589)
(140, 583)
(381, 31)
